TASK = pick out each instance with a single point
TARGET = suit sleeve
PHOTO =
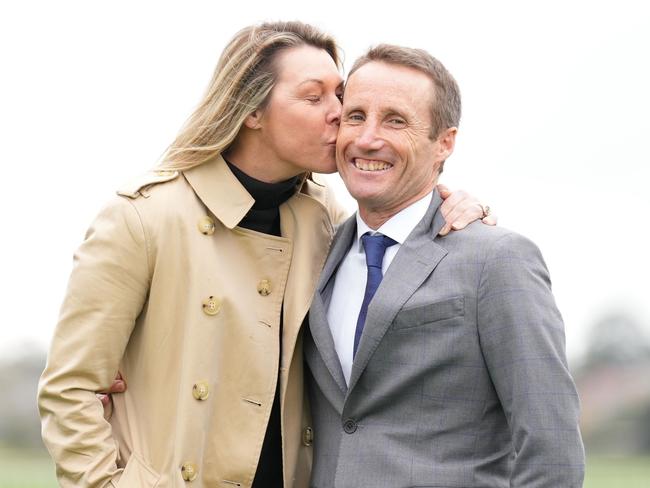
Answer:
(106, 292)
(522, 338)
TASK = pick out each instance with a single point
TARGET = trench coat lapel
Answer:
(309, 252)
(220, 191)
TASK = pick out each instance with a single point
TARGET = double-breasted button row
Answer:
(308, 436)
(189, 471)
(211, 305)
(350, 426)
(201, 390)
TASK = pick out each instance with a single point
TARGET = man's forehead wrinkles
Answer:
(381, 106)
(377, 94)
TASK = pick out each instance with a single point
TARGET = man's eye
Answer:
(397, 121)
(313, 99)
(355, 117)
(340, 96)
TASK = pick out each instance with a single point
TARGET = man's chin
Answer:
(367, 200)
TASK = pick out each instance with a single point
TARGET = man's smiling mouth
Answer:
(370, 164)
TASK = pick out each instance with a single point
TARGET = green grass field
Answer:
(618, 473)
(33, 469)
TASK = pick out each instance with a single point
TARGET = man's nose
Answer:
(368, 137)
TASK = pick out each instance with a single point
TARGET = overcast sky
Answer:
(554, 134)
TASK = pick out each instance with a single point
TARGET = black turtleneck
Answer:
(264, 217)
(265, 214)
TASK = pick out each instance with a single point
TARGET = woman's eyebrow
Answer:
(312, 80)
(340, 86)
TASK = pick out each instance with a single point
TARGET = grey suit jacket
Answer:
(460, 378)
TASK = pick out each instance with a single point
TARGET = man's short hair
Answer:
(446, 106)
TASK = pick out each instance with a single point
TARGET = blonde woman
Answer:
(194, 282)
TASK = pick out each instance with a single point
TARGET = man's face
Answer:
(384, 151)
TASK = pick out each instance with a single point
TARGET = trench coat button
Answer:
(201, 390)
(189, 471)
(350, 426)
(211, 305)
(308, 436)
(264, 287)
(206, 226)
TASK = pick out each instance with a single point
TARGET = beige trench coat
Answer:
(169, 291)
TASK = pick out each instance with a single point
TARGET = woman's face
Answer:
(299, 123)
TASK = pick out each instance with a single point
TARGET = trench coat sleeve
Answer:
(522, 339)
(106, 292)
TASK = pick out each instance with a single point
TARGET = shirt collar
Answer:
(400, 225)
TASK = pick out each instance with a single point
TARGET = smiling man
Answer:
(433, 361)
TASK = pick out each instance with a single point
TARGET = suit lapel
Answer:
(318, 325)
(414, 262)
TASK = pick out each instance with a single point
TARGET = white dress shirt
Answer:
(350, 279)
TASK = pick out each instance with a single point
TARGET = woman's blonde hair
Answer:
(241, 83)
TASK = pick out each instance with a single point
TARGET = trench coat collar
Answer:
(220, 191)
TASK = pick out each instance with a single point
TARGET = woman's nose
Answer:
(334, 114)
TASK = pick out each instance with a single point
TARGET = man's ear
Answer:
(254, 120)
(447, 142)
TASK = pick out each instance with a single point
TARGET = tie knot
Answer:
(375, 247)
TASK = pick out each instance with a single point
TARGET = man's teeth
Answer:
(370, 165)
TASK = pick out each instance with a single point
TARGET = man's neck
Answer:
(375, 217)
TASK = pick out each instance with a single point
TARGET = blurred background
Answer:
(554, 137)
